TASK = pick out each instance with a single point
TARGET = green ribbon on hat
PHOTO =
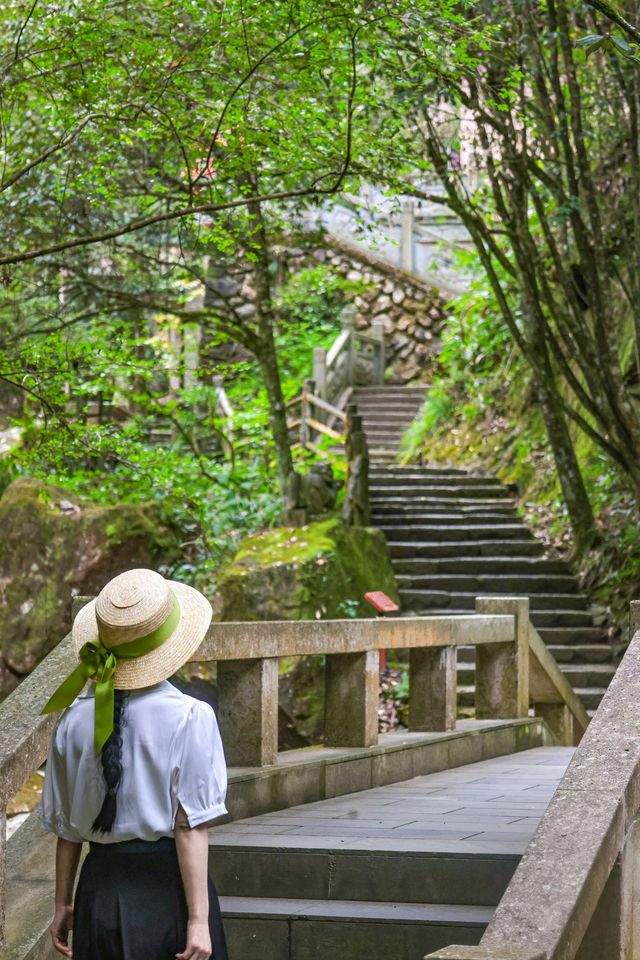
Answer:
(99, 663)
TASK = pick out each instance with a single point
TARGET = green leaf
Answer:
(621, 44)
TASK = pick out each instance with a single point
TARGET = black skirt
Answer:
(130, 904)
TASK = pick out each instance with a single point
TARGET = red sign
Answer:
(381, 602)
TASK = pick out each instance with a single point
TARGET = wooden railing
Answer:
(311, 418)
(509, 673)
(576, 891)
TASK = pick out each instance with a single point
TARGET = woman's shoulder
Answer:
(168, 700)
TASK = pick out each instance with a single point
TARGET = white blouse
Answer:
(171, 754)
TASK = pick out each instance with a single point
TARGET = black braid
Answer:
(111, 757)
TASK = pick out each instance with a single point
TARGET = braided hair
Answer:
(111, 758)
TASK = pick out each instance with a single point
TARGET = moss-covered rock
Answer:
(320, 571)
(55, 546)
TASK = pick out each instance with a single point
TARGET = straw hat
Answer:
(133, 605)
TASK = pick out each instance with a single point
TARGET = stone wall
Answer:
(411, 311)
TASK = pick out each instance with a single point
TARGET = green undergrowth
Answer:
(481, 415)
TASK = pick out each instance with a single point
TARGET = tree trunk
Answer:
(265, 351)
(573, 488)
(268, 361)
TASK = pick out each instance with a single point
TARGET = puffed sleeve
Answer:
(56, 804)
(201, 774)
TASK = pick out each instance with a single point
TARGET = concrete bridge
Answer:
(398, 844)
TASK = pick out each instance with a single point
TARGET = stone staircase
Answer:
(394, 869)
(453, 535)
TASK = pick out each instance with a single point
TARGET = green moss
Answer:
(306, 573)
(55, 545)
(285, 545)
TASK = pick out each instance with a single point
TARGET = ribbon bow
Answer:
(99, 663)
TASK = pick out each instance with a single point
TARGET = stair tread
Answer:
(369, 910)
(467, 595)
(441, 578)
(606, 669)
(464, 543)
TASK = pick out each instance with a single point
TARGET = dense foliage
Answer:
(155, 155)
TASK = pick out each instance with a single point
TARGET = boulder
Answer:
(319, 571)
(55, 546)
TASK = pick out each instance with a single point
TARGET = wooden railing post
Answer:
(432, 688)
(348, 324)
(351, 699)
(356, 510)
(502, 669)
(308, 387)
(320, 371)
(248, 711)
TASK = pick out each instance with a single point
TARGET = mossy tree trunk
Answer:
(265, 348)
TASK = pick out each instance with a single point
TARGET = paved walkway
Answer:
(489, 807)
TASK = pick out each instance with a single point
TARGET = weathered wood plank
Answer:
(323, 428)
(326, 406)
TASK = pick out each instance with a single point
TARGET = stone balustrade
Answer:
(576, 892)
(511, 673)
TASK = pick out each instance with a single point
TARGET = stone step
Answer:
(582, 654)
(384, 400)
(579, 675)
(381, 506)
(487, 517)
(390, 389)
(395, 428)
(587, 653)
(523, 585)
(388, 413)
(377, 425)
(385, 439)
(566, 635)
(427, 533)
(562, 603)
(422, 471)
(464, 548)
(508, 566)
(400, 471)
(416, 481)
(590, 696)
(321, 869)
(392, 408)
(440, 491)
(273, 929)
(579, 620)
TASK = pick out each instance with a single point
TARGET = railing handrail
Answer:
(19, 753)
(548, 683)
(339, 345)
(581, 864)
(24, 745)
(247, 656)
(324, 405)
